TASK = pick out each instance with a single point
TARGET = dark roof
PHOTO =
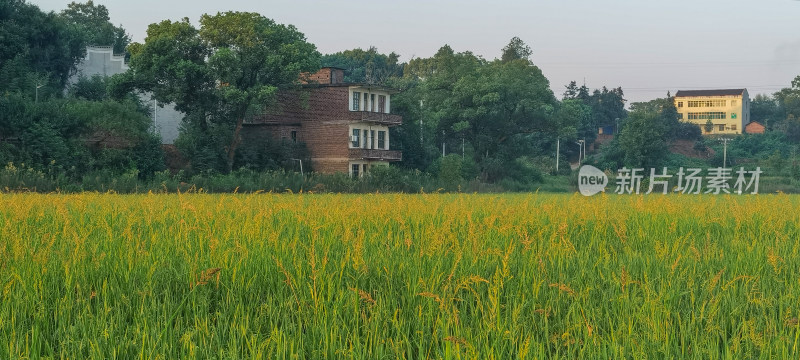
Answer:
(722, 92)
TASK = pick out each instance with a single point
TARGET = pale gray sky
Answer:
(645, 46)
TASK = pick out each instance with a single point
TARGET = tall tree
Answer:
(37, 50)
(788, 101)
(642, 140)
(608, 106)
(219, 75)
(573, 91)
(94, 25)
(763, 109)
(516, 50)
(429, 84)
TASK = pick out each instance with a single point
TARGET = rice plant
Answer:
(268, 276)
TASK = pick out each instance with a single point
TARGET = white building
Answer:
(100, 60)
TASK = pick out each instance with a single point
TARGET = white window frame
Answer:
(355, 101)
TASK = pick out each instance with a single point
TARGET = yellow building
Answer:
(728, 110)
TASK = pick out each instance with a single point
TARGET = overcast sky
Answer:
(646, 47)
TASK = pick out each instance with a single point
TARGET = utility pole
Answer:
(725, 151)
(442, 143)
(421, 142)
(558, 150)
(421, 139)
(583, 142)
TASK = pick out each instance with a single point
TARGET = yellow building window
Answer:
(706, 103)
(706, 115)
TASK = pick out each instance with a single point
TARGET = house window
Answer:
(680, 116)
(372, 101)
(733, 127)
(294, 136)
(354, 170)
(366, 139)
(706, 115)
(721, 127)
(364, 168)
(366, 102)
(356, 100)
(680, 104)
(382, 103)
(372, 139)
(382, 140)
(706, 103)
(733, 102)
(354, 139)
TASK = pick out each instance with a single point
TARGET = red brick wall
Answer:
(323, 76)
(320, 116)
(754, 128)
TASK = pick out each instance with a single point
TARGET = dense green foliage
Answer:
(66, 132)
(92, 25)
(219, 75)
(498, 115)
(365, 66)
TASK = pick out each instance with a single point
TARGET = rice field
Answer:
(269, 276)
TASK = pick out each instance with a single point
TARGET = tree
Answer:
(608, 106)
(93, 24)
(219, 75)
(36, 49)
(76, 136)
(788, 107)
(574, 120)
(642, 140)
(501, 110)
(763, 109)
(365, 66)
(709, 127)
(516, 50)
(667, 113)
(427, 99)
(574, 92)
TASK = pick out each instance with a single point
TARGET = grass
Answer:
(399, 276)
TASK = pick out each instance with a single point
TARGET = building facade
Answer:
(344, 126)
(101, 61)
(728, 110)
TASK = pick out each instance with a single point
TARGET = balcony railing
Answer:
(376, 117)
(376, 154)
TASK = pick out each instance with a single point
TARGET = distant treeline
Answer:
(499, 121)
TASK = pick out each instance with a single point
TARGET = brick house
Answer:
(754, 127)
(345, 126)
